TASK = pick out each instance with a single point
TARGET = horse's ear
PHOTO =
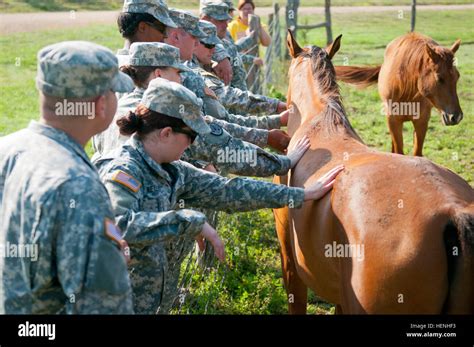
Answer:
(293, 46)
(334, 47)
(455, 46)
(432, 53)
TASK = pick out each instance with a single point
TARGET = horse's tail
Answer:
(362, 76)
(459, 243)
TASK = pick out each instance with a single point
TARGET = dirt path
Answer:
(28, 22)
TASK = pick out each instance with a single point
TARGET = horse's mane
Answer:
(413, 60)
(334, 115)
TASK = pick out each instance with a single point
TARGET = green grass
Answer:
(252, 283)
(18, 95)
(13, 6)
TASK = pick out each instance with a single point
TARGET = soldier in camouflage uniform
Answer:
(52, 199)
(193, 26)
(274, 138)
(222, 57)
(236, 100)
(162, 59)
(235, 97)
(218, 14)
(142, 21)
(206, 147)
(193, 81)
(151, 190)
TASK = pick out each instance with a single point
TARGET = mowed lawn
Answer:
(253, 282)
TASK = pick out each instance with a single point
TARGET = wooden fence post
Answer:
(413, 15)
(327, 10)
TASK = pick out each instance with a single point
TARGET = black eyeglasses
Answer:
(208, 46)
(159, 28)
(190, 133)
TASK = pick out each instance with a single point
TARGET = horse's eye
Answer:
(441, 80)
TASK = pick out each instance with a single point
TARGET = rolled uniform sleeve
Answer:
(91, 267)
(261, 122)
(203, 189)
(142, 227)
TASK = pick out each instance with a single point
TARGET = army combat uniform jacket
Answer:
(52, 200)
(152, 204)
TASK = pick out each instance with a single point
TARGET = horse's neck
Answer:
(327, 124)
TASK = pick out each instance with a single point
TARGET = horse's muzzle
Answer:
(451, 118)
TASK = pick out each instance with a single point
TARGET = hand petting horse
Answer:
(395, 235)
(417, 74)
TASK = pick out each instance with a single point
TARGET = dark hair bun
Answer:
(130, 124)
(129, 70)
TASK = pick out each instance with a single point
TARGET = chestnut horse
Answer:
(416, 75)
(395, 235)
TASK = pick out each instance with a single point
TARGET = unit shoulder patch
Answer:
(216, 129)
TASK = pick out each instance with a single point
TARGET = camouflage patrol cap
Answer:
(123, 56)
(174, 100)
(187, 21)
(79, 69)
(216, 10)
(229, 4)
(155, 54)
(157, 8)
(211, 33)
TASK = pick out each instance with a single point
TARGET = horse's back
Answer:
(393, 208)
(397, 208)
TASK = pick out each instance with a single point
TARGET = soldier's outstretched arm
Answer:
(224, 151)
(242, 102)
(138, 219)
(237, 194)
(203, 189)
(214, 108)
(91, 267)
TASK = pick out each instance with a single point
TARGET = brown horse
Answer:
(395, 235)
(416, 75)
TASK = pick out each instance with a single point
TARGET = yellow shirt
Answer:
(237, 28)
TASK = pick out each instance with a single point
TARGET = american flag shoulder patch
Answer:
(112, 231)
(126, 180)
